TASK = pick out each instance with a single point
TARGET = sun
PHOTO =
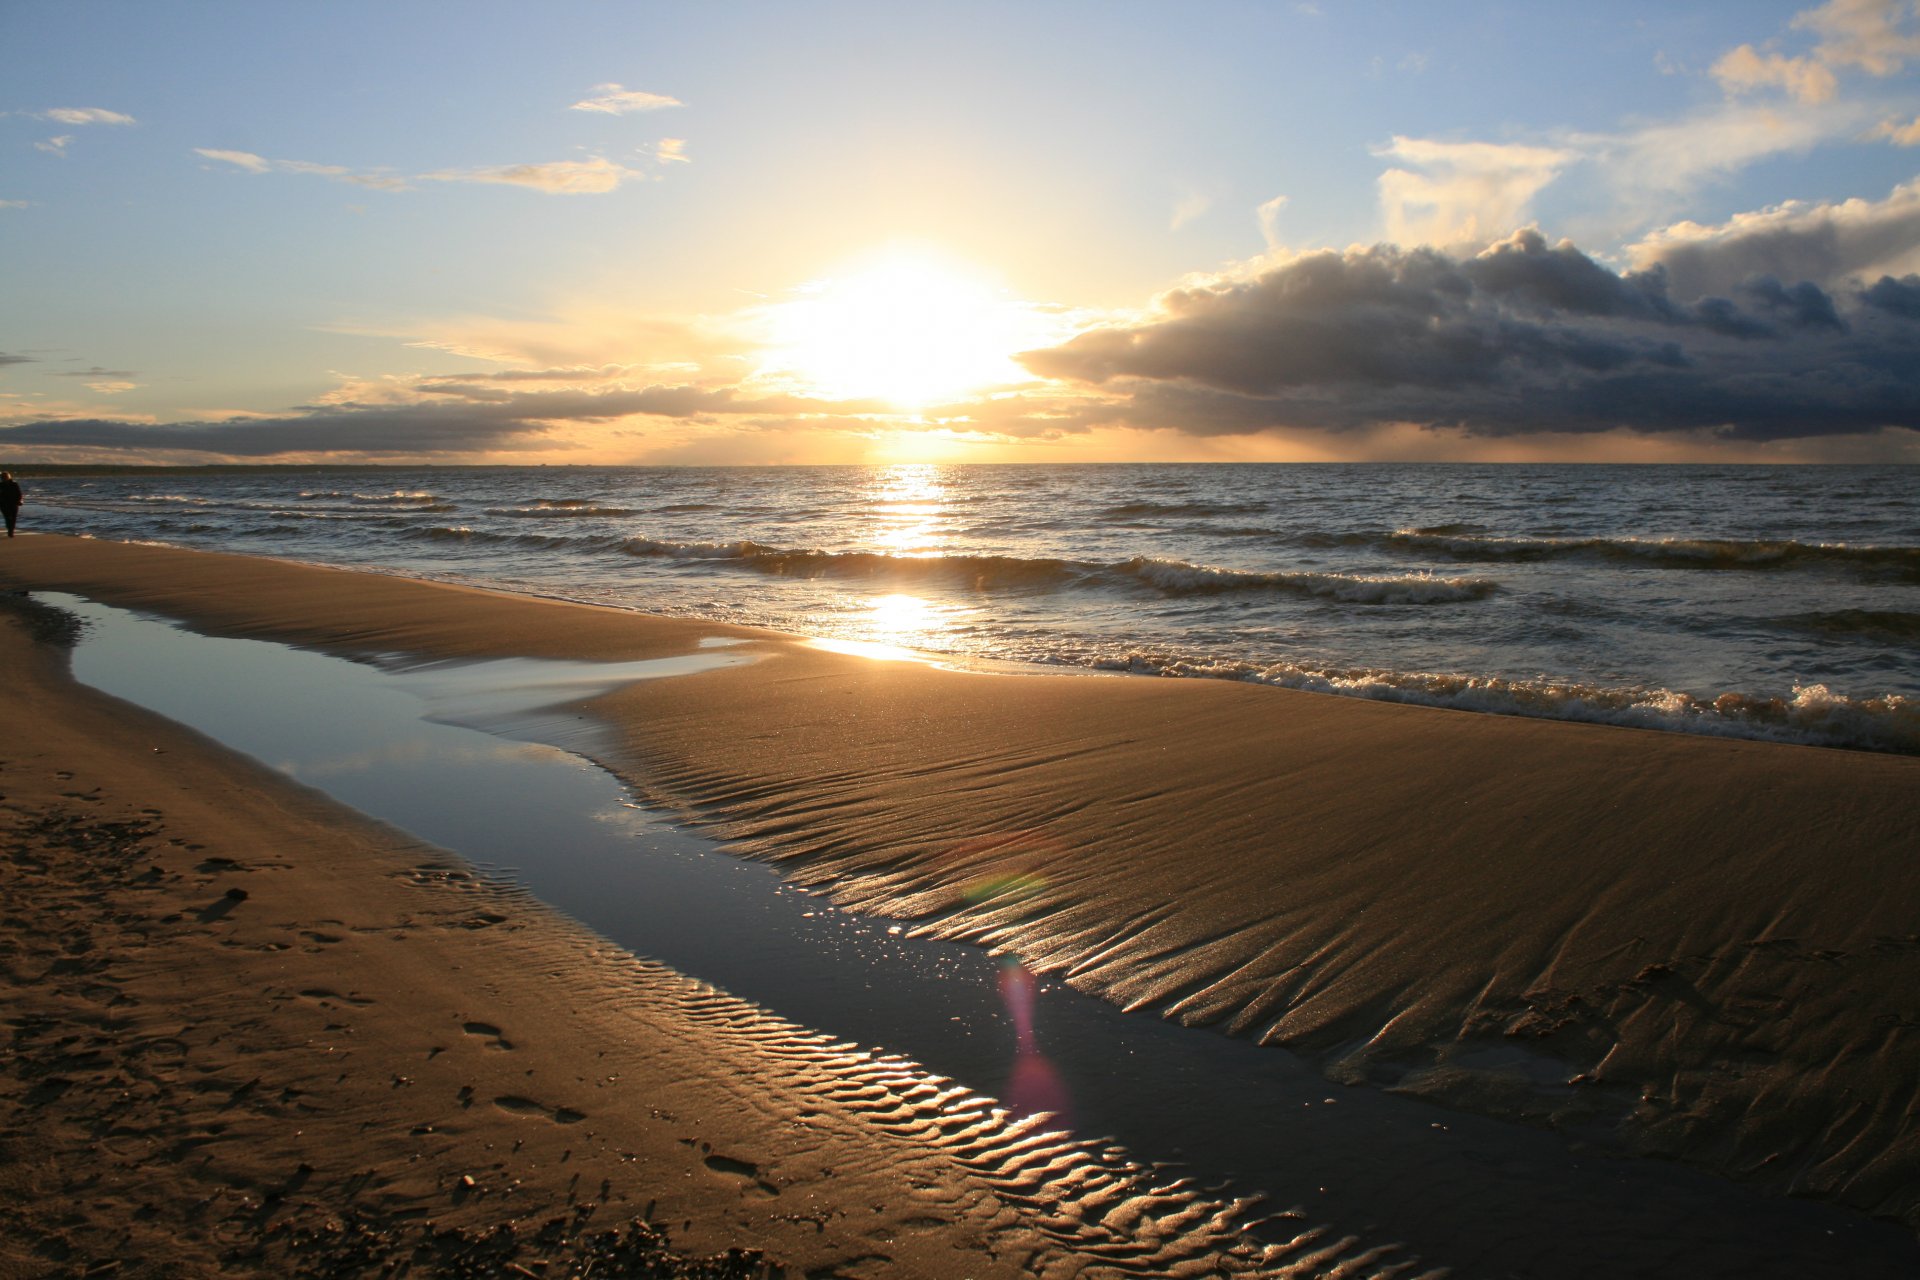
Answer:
(910, 327)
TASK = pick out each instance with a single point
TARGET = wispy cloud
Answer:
(247, 160)
(1269, 215)
(95, 372)
(1877, 36)
(1189, 206)
(242, 159)
(616, 100)
(14, 204)
(111, 388)
(7, 359)
(1900, 135)
(1462, 193)
(1745, 69)
(593, 176)
(559, 177)
(55, 146)
(671, 151)
(85, 115)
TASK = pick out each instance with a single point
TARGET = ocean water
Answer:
(1768, 602)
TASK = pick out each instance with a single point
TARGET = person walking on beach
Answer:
(9, 499)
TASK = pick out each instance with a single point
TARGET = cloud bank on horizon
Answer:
(1524, 294)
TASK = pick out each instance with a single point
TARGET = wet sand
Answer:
(1704, 947)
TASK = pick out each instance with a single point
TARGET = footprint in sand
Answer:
(324, 994)
(495, 1038)
(756, 1187)
(528, 1107)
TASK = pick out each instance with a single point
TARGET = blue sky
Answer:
(792, 232)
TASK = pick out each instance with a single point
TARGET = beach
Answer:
(1702, 949)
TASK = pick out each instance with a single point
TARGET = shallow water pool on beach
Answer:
(488, 760)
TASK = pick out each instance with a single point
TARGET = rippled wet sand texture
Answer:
(251, 1032)
(1681, 946)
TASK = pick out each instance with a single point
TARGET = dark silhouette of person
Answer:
(10, 499)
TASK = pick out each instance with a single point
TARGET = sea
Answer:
(1769, 602)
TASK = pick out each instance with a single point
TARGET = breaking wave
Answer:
(564, 510)
(1014, 573)
(1813, 716)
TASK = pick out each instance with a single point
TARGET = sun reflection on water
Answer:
(909, 507)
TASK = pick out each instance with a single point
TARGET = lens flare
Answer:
(1034, 1085)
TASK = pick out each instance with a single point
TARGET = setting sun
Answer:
(909, 327)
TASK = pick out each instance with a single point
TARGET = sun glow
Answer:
(908, 327)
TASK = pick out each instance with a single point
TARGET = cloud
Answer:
(1190, 206)
(6, 359)
(15, 204)
(1462, 193)
(560, 177)
(1269, 215)
(86, 115)
(1830, 245)
(614, 100)
(671, 151)
(1876, 36)
(242, 159)
(1523, 337)
(448, 419)
(111, 388)
(569, 374)
(1746, 68)
(95, 372)
(1900, 135)
(247, 160)
(55, 146)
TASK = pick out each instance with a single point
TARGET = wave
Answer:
(1671, 553)
(565, 510)
(398, 498)
(1136, 510)
(484, 537)
(407, 499)
(1001, 573)
(1178, 578)
(1813, 716)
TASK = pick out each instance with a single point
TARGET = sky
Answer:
(739, 233)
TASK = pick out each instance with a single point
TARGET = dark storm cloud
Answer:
(1898, 297)
(479, 420)
(1522, 338)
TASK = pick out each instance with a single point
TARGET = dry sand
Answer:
(1715, 941)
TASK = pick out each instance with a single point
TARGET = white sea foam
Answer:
(1813, 715)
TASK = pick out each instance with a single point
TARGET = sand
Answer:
(1706, 947)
